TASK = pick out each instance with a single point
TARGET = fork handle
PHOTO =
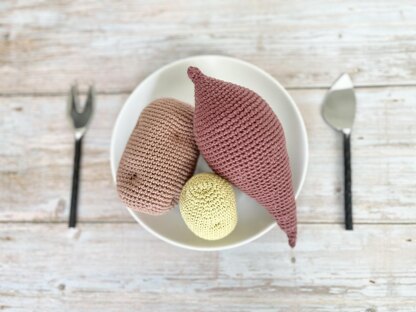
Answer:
(75, 184)
(347, 182)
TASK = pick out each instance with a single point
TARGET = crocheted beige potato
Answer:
(159, 158)
(208, 206)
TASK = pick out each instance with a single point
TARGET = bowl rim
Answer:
(173, 64)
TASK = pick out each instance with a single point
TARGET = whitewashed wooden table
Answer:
(114, 264)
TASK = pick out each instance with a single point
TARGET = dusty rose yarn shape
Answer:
(243, 141)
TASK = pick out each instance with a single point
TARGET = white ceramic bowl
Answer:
(172, 81)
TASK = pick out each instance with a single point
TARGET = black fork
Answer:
(80, 119)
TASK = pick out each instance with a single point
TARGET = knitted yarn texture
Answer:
(243, 141)
(208, 207)
(159, 158)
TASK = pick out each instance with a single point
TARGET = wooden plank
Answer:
(46, 45)
(36, 160)
(120, 267)
(383, 159)
(37, 157)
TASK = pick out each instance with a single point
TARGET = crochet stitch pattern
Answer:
(243, 141)
(208, 207)
(159, 158)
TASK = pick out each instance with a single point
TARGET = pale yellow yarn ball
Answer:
(208, 207)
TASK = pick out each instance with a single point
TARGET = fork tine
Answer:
(89, 105)
(73, 99)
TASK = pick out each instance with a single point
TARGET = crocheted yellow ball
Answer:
(208, 207)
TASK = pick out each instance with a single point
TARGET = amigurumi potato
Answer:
(208, 207)
(159, 158)
(243, 141)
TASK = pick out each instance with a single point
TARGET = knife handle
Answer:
(347, 182)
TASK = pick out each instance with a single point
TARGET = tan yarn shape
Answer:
(208, 206)
(159, 158)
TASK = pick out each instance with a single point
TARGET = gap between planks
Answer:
(122, 92)
(323, 223)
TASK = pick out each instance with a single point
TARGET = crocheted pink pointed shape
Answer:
(243, 141)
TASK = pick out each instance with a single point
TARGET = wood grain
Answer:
(120, 267)
(112, 264)
(37, 153)
(46, 45)
(37, 158)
